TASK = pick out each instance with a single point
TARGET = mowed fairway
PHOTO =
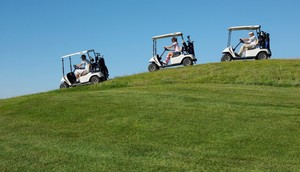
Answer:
(238, 116)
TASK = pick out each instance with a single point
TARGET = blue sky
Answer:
(35, 33)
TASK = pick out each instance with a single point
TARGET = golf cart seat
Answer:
(178, 53)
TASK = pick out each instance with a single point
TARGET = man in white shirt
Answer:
(83, 68)
(248, 43)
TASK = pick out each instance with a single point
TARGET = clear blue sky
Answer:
(36, 33)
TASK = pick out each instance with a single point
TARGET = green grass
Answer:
(238, 116)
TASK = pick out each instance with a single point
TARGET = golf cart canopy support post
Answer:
(62, 64)
(154, 47)
(70, 60)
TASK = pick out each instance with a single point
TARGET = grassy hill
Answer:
(237, 116)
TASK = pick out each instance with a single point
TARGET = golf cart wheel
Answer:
(262, 56)
(95, 79)
(187, 62)
(63, 85)
(152, 67)
(226, 57)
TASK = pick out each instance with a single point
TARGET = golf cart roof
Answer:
(167, 35)
(254, 27)
(78, 53)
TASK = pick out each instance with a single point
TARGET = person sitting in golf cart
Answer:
(175, 52)
(249, 43)
(83, 68)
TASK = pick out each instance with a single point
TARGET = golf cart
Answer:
(260, 52)
(186, 56)
(98, 71)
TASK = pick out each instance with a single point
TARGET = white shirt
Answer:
(252, 40)
(176, 47)
(85, 63)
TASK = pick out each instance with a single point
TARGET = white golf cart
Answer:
(186, 56)
(259, 52)
(98, 70)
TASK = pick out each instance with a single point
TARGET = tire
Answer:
(63, 85)
(152, 67)
(226, 57)
(95, 79)
(187, 61)
(262, 56)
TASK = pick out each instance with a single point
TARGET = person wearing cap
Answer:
(82, 68)
(249, 43)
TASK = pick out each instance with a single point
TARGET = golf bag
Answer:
(188, 48)
(184, 47)
(103, 68)
(264, 40)
(191, 47)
